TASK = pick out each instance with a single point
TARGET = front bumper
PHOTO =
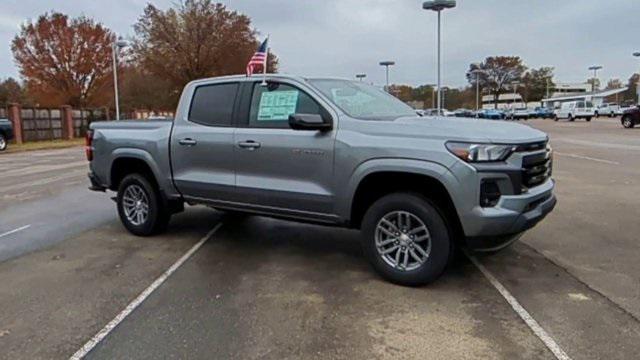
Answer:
(496, 227)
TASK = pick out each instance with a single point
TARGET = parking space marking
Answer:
(15, 230)
(97, 338)
(524, 314)
(587, 158)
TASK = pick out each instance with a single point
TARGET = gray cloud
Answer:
(344, 37)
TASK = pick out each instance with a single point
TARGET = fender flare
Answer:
(412, 166)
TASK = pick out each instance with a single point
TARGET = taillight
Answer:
(88, 148)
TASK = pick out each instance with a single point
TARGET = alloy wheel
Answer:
(135, 204)
(402, 240)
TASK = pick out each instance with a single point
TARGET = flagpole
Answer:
(264, 67)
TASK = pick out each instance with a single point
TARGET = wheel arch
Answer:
(429, 179)
(129, 161)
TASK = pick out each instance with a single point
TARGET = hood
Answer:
(466, 129)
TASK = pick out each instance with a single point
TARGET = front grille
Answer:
(536, 168)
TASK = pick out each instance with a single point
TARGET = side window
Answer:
(271, 105)
(212, 105)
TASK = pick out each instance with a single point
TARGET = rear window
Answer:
(212, 105)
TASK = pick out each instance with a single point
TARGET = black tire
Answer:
(3, 142)
(440, 237)
(158, 215)
(588, 118)
(627, 122)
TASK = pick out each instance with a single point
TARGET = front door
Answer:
(279, 169)
(202, 144)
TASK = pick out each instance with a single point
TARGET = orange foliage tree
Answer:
(195, 39)
(65, 61)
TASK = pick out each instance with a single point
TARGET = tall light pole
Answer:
(361, 76)
(438, 6)
(386, 64)
(595, 69)
(115, 46)
(637, 54)
(477, 72)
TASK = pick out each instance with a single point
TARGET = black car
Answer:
(631, 117)
(6, 133)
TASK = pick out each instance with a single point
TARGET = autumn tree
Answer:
(194, 39)
(140, 89)
(536, 82)
(632, 88)
(64, 60)
(497, 74)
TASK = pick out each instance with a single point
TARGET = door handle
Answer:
(249, 145)
(187, 142)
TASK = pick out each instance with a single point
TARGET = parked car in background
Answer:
(519, 114)
(6, 133)
(434, 112)
(626, 105)
(492, 114)
(301, 149)
(631, 117)
(608, 109)
(575, 110)
(542, 112)
(464, 113)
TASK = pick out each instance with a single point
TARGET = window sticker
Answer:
(277, 105)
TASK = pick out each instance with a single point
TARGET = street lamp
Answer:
(361, 76)
(438, 6)
(477, 72)
(386, 64)
(637, 54)
(115, 46)
(595, 69)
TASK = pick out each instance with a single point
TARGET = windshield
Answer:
(362, 101)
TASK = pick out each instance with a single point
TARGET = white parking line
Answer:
(97, 338)
(587, 158)
(15, 230)
(524, 315)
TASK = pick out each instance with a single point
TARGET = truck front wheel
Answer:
(140, 206)
(406, 239)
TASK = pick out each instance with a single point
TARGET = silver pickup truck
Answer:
(334, 152)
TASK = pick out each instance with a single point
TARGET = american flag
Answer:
(259, 58)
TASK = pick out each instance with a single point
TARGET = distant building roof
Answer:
(584, 95)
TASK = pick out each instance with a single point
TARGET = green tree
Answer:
(11, 91)
(535, 83)
(497, 73)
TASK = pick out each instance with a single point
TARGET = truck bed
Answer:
(146, 140)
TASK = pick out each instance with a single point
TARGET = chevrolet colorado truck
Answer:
(333, 152)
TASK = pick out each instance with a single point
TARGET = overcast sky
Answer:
(344, 37)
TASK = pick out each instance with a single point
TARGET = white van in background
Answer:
(608, 109)
(575, 110)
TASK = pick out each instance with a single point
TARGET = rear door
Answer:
(279, 169)
(202, 144)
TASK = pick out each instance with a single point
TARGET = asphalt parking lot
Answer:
(254, 287)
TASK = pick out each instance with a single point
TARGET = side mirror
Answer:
(308, 122)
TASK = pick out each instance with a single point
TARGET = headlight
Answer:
(480, 152)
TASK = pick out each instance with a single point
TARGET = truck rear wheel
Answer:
(406, 239)
(627, 122)
(140, 206)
